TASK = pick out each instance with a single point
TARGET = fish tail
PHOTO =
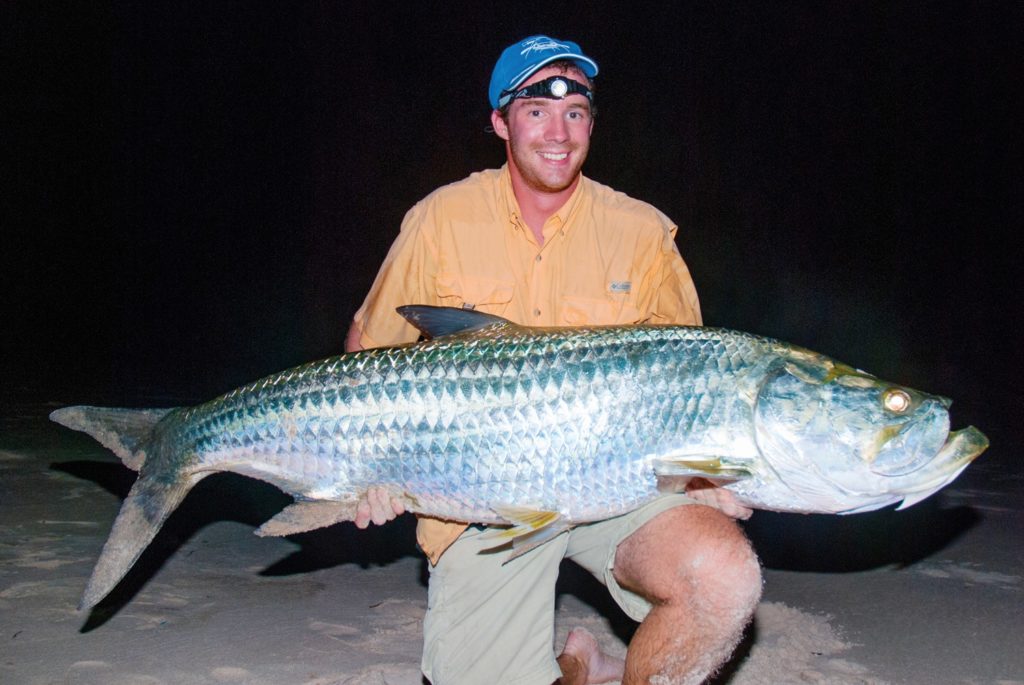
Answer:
(124, 432)
(149, 503)
(162, 484)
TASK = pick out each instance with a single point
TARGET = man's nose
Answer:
(558, 130)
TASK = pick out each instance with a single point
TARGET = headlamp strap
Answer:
(553, 87)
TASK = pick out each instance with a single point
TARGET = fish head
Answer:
(844, 440)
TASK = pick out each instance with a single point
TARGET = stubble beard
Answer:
(522, 159)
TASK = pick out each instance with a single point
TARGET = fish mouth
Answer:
(963, 446)
(960, 449)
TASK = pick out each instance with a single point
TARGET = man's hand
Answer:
(352, 338)
(706, 492)
(377, 506)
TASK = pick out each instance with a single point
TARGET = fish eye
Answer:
(896, 400)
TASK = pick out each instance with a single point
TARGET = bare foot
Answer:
(583, 663)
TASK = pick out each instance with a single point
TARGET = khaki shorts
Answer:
(490, 622)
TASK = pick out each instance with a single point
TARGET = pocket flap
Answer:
(473, 290)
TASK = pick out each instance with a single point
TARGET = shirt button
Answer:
(539, 258)
(536, 312)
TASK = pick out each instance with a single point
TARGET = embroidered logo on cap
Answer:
(541, 44)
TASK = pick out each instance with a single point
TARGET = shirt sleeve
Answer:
(407, 276)
(675, 300)
(667, 294)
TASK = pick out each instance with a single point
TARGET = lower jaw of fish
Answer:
(961, 448)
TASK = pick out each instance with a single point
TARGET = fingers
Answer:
(380, 506)
(362, 513)
(377, 507)
(398, 507)
(730, 506)
(724, 500)
(738, 511)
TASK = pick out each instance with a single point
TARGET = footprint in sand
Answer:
(333, 630)
(231, 674)
(385, 674)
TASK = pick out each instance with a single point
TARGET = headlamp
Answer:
(553, 87)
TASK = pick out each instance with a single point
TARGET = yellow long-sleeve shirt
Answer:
(606, 259)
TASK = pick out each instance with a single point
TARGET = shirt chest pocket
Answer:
(587, 311)
(474, 292)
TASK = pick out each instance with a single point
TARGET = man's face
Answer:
(547, 139)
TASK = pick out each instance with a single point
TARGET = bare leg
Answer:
(583, 663)
(695, 566)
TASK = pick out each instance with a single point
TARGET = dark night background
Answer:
(194, 195)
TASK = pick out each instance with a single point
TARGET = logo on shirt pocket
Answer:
(620, 286)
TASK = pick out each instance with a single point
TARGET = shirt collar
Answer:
(562, 215)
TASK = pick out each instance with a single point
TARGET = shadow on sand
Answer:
(858, 542)
(792, 542)
(230, 497)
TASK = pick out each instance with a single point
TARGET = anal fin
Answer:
(307, 515)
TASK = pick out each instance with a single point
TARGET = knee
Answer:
(731, 580)
(703, 561)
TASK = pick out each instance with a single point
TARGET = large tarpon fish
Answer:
(539, 429)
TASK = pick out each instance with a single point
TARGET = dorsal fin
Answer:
(435, 322)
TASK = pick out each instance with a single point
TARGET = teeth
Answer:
(554, 156)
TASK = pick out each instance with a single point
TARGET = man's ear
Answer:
(499, 125)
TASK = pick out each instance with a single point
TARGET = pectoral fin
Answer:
(716, 469)
(530, 528)
(307, 515)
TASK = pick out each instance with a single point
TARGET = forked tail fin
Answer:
(162, 485)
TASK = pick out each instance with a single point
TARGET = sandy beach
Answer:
(933, 594)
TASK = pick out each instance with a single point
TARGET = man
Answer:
(540, 244)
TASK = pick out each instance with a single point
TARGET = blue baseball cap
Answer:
(520, 60)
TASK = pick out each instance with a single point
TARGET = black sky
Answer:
(198, 194)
